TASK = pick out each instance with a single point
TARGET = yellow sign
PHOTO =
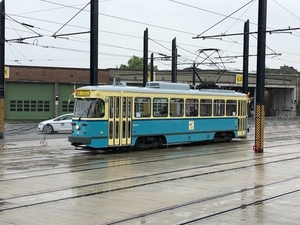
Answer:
(191, 125)
(6, 72)
(239, 78)
(83, 93)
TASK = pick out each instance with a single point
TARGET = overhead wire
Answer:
(70, 19)
(129, 20)
(236, 40)
(225, 18)
(114, 46)
(137, 22)
(31, 61)
(288, 12)
(237, 19)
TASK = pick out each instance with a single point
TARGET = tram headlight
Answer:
(77, 127)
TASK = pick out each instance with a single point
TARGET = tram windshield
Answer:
(89, 108)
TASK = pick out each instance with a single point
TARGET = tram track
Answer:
(15, 150)
(167, 183)
(38, 198)
(143, 216)
(91, 156)
(49, 152)
(123, 162)
(239, 207)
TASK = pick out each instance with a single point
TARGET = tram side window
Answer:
(160, 107)
(111, 107)
(231, 108)
(205, 107)
(240, 108)
(117, 107)
(129, 107)
(142, 107)
(219, 107)
(191, 107)
(176, 107)
(126, 107)
(243, 111)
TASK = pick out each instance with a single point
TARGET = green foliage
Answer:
(123, 67)
(288, 70)
(136, 63)
(283, 70)
(268, 71)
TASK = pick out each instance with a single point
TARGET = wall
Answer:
(54, 75)
(30, 92)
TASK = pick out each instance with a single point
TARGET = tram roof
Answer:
(123, 88)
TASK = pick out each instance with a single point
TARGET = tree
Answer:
(136, 63)
(268, 71)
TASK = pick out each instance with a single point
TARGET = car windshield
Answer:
(90, 108)
(64, 117)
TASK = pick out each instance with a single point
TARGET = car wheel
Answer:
(48, 129)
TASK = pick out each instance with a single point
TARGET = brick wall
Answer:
(54, 75)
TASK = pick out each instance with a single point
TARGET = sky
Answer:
(122, 24)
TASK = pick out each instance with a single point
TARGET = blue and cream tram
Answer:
(119, 116)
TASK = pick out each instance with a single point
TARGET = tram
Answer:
(112, 117)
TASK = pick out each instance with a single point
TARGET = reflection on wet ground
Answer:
(223, 183)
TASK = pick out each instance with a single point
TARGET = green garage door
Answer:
(65, 98)
(32, 101)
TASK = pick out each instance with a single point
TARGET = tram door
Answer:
(242, 118)
(119, 122)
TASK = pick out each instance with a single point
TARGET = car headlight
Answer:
(77, 127)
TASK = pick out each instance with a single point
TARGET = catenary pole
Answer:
(246, 57)
(174, 61)
(152, 68)
(260, 76)
(94, 43)
(145, 58)
(2, 67)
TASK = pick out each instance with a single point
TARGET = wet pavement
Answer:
(223, 183)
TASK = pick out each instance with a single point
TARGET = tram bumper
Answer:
(79, 140)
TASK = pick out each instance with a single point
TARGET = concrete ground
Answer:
(225, 183)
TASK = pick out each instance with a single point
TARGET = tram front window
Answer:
(89, 108)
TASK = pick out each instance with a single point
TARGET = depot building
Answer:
(37, 93)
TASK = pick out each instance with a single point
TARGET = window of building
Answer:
(19, 105)
(33, 106)
(47, 106)
(12, 105)
(27, 106)
(40, 106)
(65, 105)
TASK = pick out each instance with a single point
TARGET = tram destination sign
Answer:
(83, 93)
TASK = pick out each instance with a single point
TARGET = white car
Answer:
(60, 123)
